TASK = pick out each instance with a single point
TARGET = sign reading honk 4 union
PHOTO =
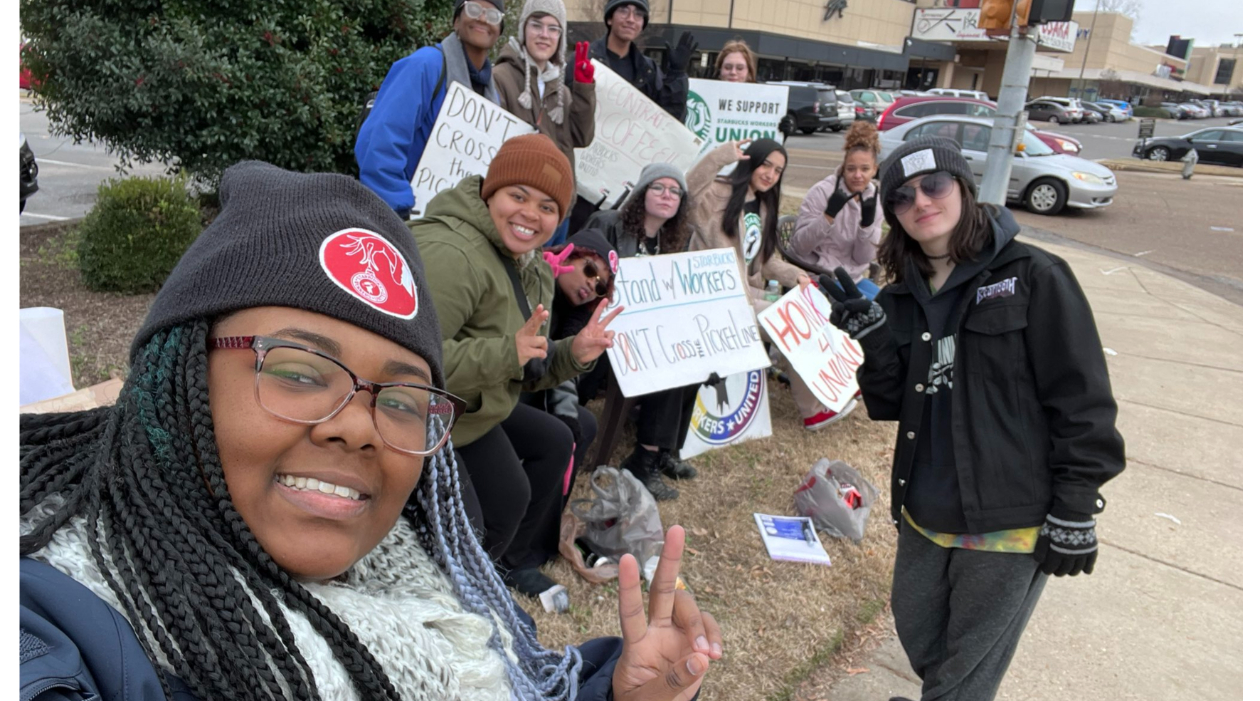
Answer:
(719, 111)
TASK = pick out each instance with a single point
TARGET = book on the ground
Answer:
(791, 538)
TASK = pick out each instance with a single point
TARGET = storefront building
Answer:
(1218, 67)
(847, 44)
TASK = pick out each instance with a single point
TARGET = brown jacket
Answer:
(709, 194)
(576, 106)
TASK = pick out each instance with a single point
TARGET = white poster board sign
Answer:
(718, 111)
(467, 134)
(631, 131)
(686, 316)
(735, 411)
(824, 356)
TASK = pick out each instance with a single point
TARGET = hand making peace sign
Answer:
(595, 338)
(666, 655)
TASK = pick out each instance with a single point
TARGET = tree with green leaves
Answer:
(202, 85)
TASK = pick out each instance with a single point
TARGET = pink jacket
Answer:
(843, 243)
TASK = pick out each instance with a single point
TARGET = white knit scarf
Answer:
(396, 600)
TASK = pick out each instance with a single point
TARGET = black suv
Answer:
(811, 106)
(27, 183)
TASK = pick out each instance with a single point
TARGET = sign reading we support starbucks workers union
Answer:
(631, 131)
(467, 135)
(686, 315)
(718, 111)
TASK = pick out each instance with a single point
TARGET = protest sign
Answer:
(631, 131)
(686, 316)
(720, 111)
(468, 133)
(824, 356)
(737, 410)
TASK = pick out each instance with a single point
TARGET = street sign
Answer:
(1146, 128)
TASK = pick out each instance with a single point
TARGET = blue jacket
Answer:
(395, 131)
(76, 647)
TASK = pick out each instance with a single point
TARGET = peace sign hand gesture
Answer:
(665, 657)
(595, 338)
(736, 150)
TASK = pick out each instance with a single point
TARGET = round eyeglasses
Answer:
(305, 386)
(479, 12)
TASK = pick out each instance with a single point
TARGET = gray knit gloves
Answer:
(851, 311)
(1067, 544)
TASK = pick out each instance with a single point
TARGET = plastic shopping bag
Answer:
(837, 497)
(623, 518)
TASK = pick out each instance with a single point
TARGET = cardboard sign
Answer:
(686, 316)
(631, 131)
(735, 411)
(719, 111)
(824, 356)
(468, 133)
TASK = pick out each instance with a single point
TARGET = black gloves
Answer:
(836, 202)
(851, 311)
(680, 55)
(868, 210)
(1067, 544)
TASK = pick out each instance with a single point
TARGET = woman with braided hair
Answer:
(272, 509)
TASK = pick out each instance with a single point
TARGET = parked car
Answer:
(28, 180)
(953, 92)
(1237, 108)
(866, 111)
(908, 108)
(1196, 111)
(1089, 116)
(1128, 108)
(1222, 145)
(1048, 111)
(880, 99)
(1071, 104)
(1059, 143)
(1109, 112)
(844, 110)
(1044, 181)
(1212, 106)
(811, 106)
(1236, 122)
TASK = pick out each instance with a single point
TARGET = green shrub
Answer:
(1151, 112)
(136, 233)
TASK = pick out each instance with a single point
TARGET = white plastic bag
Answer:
(821, 496)
(623, 518)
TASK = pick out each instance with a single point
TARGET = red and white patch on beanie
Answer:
(371, 269)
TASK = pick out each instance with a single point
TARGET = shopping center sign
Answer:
(954, 24)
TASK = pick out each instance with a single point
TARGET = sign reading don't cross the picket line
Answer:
(467, 134)
(686, 316)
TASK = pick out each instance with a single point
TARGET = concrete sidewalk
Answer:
(1161, 617)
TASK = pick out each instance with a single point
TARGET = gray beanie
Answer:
(555, 8)
(314, 241)
(655, 171)
(926, 154)
(612, 5)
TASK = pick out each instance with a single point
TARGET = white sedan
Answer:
(1044, 181)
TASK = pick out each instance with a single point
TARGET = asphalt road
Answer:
(1097, 140)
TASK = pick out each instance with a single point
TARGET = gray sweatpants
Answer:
(959, 614)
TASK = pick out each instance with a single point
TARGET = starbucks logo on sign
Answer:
(699, 117)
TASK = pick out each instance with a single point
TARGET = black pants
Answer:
(517, 472)
(663, 416)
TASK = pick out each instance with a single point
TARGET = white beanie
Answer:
(555, 8)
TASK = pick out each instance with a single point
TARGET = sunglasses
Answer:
(478, 12)
(592, 272)
(937, 186)
(660, 189)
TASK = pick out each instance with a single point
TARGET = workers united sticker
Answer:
(372, 270)
(738, 409)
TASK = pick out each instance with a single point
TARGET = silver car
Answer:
(844, 110)
(1044, 181)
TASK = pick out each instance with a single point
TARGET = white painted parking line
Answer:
(44, 216)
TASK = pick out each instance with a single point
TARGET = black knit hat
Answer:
(612, 5)
(926, 154)
(595, 241)
(314, 241)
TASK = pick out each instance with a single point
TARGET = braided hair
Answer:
(203, 595)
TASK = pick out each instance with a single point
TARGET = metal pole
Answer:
(1003, 140)
(1085, 59)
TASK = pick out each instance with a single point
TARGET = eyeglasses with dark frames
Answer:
(303, 385)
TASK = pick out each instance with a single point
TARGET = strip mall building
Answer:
(924, 44)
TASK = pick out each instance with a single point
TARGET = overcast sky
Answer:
(1208, 22)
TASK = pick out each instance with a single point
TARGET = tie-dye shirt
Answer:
(1015, 540)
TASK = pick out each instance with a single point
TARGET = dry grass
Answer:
(780, 620)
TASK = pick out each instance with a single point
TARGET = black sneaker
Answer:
(675, 467)
(646, 467)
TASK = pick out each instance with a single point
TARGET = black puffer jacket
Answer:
(668, 91)
(1032, 415)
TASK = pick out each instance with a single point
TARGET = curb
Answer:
(1171, 167)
